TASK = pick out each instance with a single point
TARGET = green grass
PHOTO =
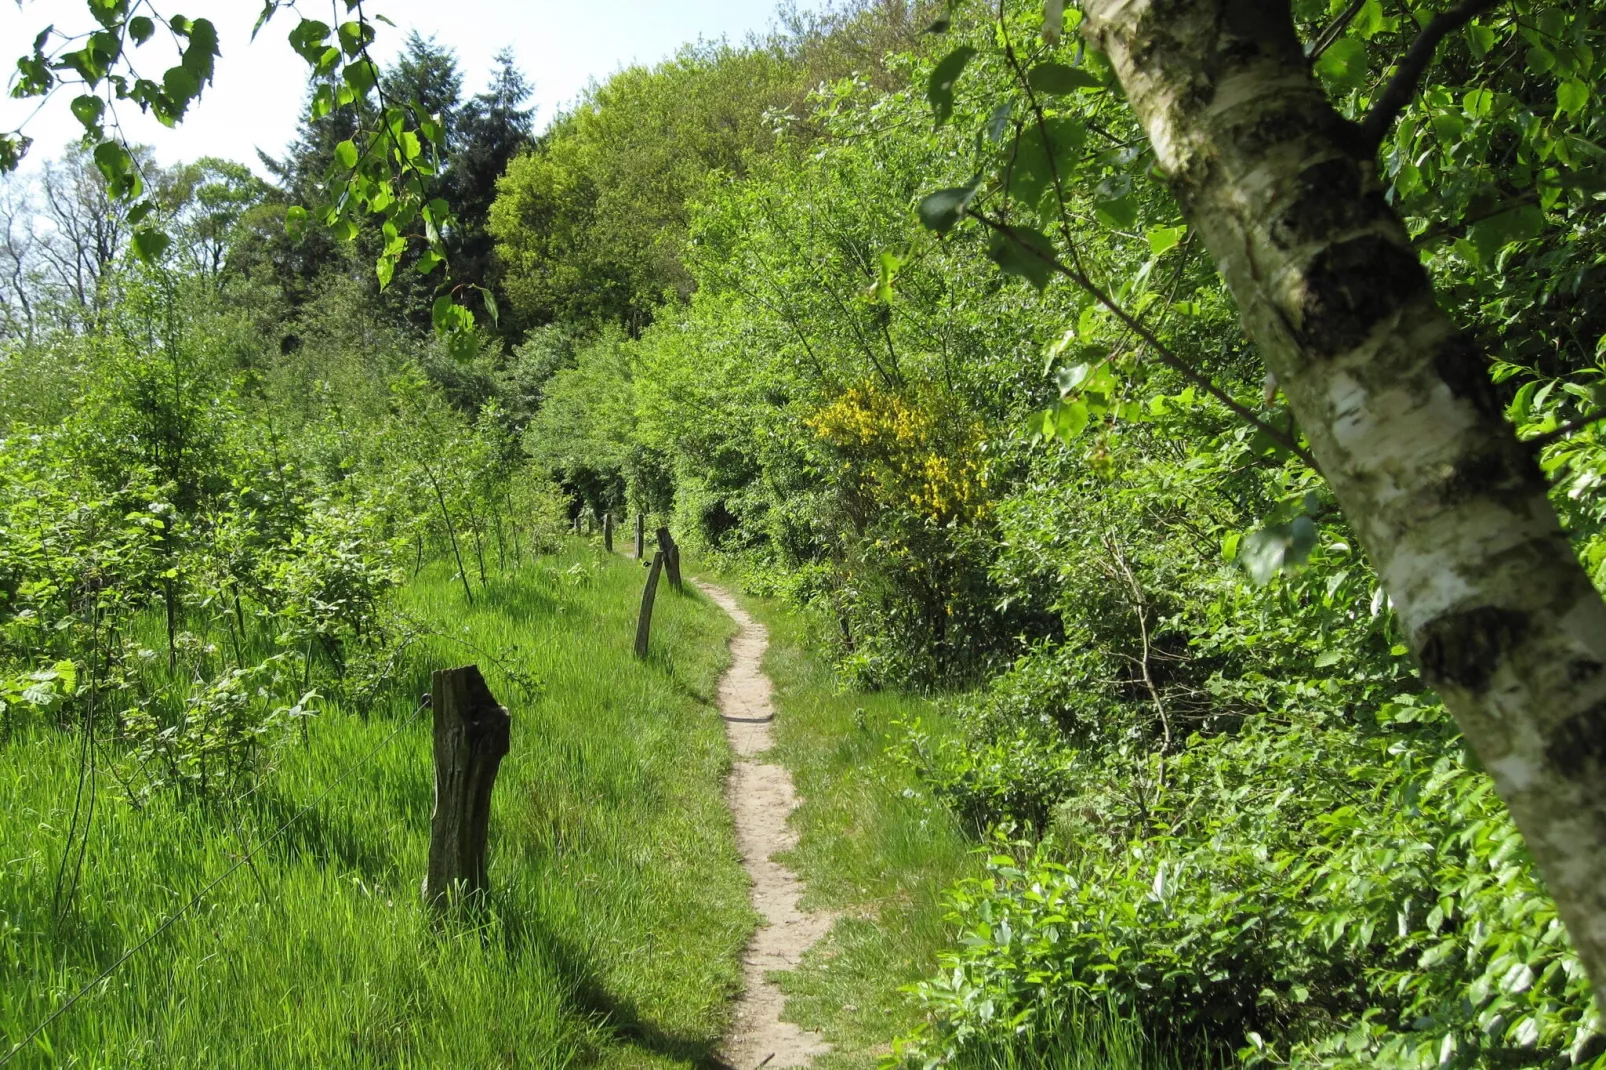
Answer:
(618, 909)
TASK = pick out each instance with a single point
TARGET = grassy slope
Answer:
(619, 905)
(872, 847)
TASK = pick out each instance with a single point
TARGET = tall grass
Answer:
(618, 910)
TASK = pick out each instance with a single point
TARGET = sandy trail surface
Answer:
(760, 796)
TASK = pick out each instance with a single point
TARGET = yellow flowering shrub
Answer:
(917, 452)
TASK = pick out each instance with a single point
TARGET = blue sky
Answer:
(561, 47)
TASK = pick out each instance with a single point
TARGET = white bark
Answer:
(1398, 407)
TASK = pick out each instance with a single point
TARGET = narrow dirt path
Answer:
(760, 796)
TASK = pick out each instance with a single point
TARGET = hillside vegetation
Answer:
(1115, 748)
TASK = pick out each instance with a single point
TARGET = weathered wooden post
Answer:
(644, 622)
(641, 535)
(607, 532)
(671, 552)
(471, 737)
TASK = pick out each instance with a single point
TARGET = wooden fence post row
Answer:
(607, 532)
(470, 739)
(644, 622)
(641, 535)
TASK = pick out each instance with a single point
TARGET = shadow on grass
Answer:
(591, 998)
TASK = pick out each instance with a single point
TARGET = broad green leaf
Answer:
(1571, 97)
(1162, 239)
(140, 28)
(941, 210)
(87, 109)
(940, 88)
(346, 154)
(149, 245)
(1060, 78)
(1118, 214)
(1344, 63)
(295, 222)
(1041, 152)
(1491, 235)
(1023, 251)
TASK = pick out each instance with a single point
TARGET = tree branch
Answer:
(1408, 72)
(1559, 433)
(1333, 32)
(1132, 323)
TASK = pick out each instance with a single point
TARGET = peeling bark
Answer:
(1398, 407)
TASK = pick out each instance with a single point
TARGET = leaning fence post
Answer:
(607, 532)
(641, 535)
(644, 622)
(470, 739)
(671, 552)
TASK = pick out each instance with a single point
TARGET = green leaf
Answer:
(427, 262)
(295, 222)
(87, 109)
(198, 55)
(1344, 63)
(1070, 420)
(1571, 97)
(180, 84)
(1060, 78)
(149, 245)
(308, 39)
(1162, 239)
(361, 76)
(346, 154)
(1491, 235)
(117, 167)
(441, 312)
(940, 89)
(941, 210)
(1118, 214)
(1042, 151)
(140, 29)
(1023, 251)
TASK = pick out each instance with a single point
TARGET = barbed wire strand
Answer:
(173, 918)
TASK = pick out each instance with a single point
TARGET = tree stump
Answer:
(644, 622)
(671, 552)
(471, 737)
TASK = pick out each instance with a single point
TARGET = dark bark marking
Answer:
(1477, 475)
(1581, 669)
(1460, 364)
(1349, 287)
(1578, 744)
(1330, 201)
(1464, 649)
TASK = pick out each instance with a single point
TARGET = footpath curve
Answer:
(761, 798)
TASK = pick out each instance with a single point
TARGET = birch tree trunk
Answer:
(1397, 404)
